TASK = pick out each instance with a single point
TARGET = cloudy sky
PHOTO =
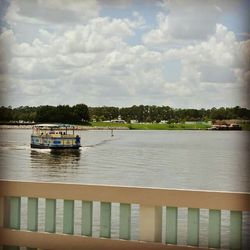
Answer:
(185, 54)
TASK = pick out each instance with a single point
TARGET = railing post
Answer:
(125, 221)
(214, 228)
(235, 229)
(6, 211)
(50, 216)
(32, 214)
(87, 217)
(105, 220)
(193, 226)
(13, 216)
(15, 212)
(1, 211)
(171, 225)
(150, 226)
(68, 217)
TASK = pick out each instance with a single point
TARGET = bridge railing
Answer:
(151, 201)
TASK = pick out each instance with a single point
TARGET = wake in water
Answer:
(41, 150)
(99, 143)
(14, 147)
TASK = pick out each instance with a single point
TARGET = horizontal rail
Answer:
(136, 195)
(65, 242)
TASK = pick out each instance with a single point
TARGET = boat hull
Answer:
(42, 146)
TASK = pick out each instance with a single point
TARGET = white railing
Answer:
(152, 202)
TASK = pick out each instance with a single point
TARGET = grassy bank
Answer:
(156, 126)
(245, 126)
(152, 126)
(144, 126)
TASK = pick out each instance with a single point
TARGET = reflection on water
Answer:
(55, 161)
(56, 157)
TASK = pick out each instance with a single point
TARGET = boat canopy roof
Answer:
(63, 126)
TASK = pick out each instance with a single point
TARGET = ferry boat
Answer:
(54, 136)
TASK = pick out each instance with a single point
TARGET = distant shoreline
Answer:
(151, 126)
(78, 127)
(112, 127)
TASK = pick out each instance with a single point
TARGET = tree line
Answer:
(62, 113)
(81, 113)
(147, 113)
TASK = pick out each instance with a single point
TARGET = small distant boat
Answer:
(234, 127)
(226, 127)
(54, 136)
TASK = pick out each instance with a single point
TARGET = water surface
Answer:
(210, 160)
(207, 160)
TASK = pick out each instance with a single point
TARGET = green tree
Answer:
(81, 112)
(6, 114)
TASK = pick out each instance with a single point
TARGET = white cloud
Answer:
(88, 58)
(161, 35)
(182, 21)
(212, 73)
(219, 5)
(45, 11)
(91, 55)
(7, 41)
(98, 35)
(219, 49)
(242, 69)
(208, 69)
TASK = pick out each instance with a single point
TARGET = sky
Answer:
(182, 54)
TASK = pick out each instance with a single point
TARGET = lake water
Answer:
(209, 160)
(206, 160)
